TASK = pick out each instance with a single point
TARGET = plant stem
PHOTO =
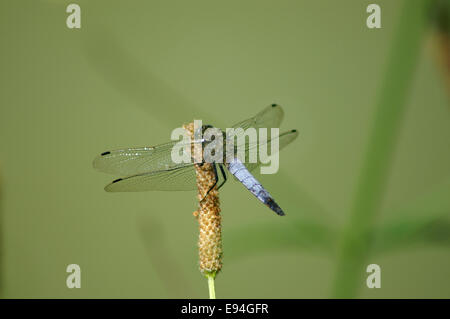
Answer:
(212, 289)
(390, 107)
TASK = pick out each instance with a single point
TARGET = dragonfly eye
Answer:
(274, 105)
(205, 127)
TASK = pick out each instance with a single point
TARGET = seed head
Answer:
(208, 216)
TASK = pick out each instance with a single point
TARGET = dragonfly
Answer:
(153, 169)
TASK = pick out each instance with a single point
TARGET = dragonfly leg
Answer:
(216, 177)
(224, 174)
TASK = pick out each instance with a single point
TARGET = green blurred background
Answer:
(367, 181)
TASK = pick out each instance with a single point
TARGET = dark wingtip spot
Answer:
(117, 180)
(274, 105)
(105, 153)
(293, 131)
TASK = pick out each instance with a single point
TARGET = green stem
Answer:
(390, 107)
(212, 290)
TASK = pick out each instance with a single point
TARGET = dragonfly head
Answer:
(200, 131)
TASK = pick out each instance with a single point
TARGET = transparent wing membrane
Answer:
(271, 116)
(134, 161)
(284, 139)
(179, 179)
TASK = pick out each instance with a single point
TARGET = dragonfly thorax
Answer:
(213, 143)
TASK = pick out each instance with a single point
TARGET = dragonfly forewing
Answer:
(271, 116)
(134, 161)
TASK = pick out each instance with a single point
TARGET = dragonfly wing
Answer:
(271, 116)
(284, 139)
(177, 179)
(135, 161)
